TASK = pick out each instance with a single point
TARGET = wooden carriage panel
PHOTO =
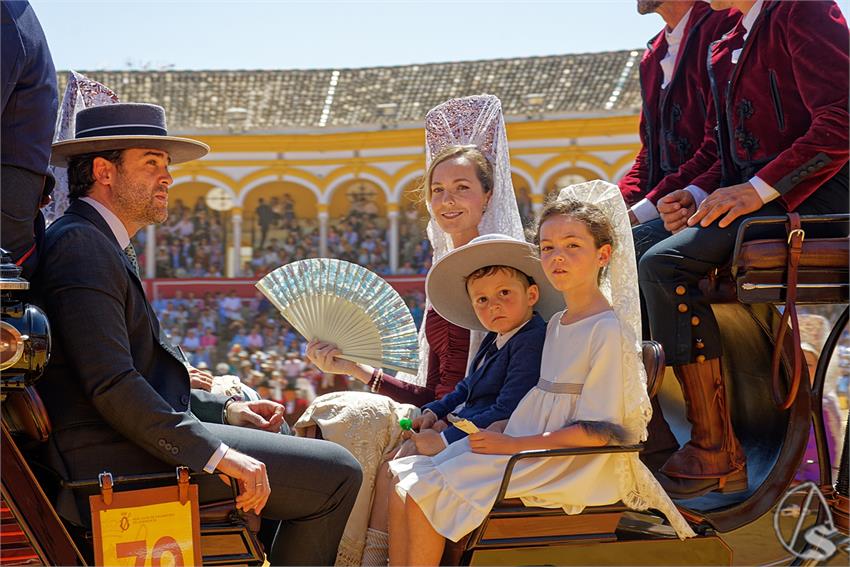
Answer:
(550, 526)
(707, 550)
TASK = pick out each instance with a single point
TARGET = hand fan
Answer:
(346, 304)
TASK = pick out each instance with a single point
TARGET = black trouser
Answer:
(314, 484)
(670, 267)
(19, 215)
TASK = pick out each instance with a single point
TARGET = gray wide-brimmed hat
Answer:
(121, 126)
(446, 282)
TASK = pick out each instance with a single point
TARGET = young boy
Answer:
(493, 283)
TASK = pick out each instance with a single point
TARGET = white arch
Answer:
(526, 177)
(547, 177)
(399, 188)
(274, 177)
(189, 178)
(348, 177)
(622, 171)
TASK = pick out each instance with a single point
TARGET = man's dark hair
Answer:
(80, 176)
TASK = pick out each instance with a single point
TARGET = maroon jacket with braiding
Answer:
(783, 109)
(672, 119)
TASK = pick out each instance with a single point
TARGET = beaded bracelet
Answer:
(375, 382)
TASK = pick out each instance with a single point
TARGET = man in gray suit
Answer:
(118, 393)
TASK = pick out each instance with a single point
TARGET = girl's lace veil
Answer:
(638, 488)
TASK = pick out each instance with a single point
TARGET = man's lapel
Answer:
(86, 211)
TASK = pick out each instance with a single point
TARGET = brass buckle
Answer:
(797, 232)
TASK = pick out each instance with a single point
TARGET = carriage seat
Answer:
(228, 536)
(512, 524)
(757, 272)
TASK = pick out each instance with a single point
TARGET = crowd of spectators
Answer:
(191, 243)
(249, 339)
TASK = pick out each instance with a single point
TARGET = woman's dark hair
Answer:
(597, 223)
(80, 176)
(483, 168)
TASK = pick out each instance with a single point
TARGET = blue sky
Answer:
(278, 34)
(321, 34)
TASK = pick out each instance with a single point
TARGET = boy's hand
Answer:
(424, 421)
(492, 443)
(428, 442)
(407, 448)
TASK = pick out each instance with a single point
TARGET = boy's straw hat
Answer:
(446, 285)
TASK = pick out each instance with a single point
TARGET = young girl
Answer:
(592, 392)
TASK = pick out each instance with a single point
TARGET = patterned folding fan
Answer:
(346, 304)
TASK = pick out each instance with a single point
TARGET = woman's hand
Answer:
(200, 379)
(324, 356)
(492, 443)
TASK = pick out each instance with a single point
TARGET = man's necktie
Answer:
(130, 252)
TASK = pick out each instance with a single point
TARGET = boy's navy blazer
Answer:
(493, 390)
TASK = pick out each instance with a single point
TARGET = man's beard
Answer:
(648, 6)
(140, 204)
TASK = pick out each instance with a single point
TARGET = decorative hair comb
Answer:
(472, 120)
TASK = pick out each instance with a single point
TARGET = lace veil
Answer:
(638, 486)
(478, 121)
(81, 92)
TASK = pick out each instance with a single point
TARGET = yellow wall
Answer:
(561, 158)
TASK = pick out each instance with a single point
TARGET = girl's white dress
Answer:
(581, 380)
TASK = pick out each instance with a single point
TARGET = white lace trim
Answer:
(81, 92)
(474, 120)
(638, 488)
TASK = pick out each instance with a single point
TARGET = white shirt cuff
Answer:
(697, 193)
(216, 458)
(443, 437)
(645, 211)
(765, 191)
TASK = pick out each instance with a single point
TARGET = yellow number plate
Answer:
(147, 527)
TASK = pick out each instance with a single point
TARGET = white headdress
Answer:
(81, 92)
(638, 488)
(477, 121)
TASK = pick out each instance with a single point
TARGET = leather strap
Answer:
(796, 235)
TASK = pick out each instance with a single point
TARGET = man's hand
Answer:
(428, 442)
(263, 414)
(425, 421)
(675, 209)
(734, 201)
(200, 379)
(633, 218)
(440, 426)
(492, 443)
(250, 474)
(324, 356)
